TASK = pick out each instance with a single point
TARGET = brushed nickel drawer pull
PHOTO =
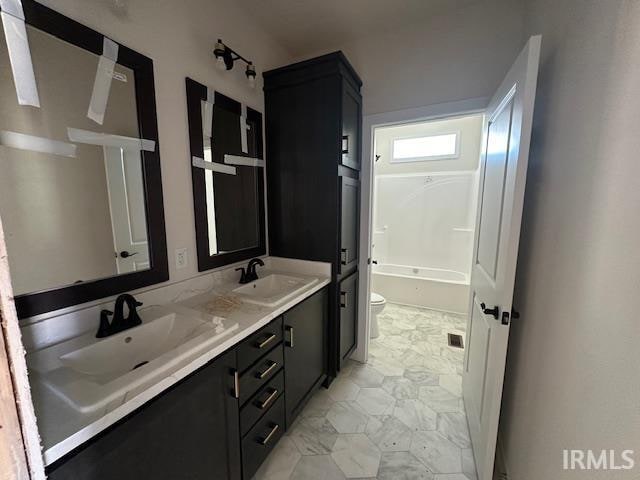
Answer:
(268, 370)
(290, 329)
(236, 384)
(343, 299)
(271, 434)
(267, 340)
(269, 399)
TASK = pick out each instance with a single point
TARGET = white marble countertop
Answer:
(63, 428)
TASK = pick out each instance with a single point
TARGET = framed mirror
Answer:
(80, 183)
(227, 170)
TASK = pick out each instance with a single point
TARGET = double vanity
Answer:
(192, 372)
(217, 377)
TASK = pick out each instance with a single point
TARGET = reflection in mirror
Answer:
(73, 183)
(235, 192)
(228, 177)
(73, 210)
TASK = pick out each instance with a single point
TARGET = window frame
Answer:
(428, 158)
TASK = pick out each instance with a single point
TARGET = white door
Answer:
(126, 201)
(503, 174)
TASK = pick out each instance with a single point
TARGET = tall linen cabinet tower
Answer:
(313, 112)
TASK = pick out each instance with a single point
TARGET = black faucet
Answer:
(119, 323)
(249, 275)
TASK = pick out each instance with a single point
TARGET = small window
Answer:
(433, 147)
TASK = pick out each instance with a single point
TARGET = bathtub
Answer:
(435, 288)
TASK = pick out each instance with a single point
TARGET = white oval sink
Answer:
(89, 373)
(274, 289)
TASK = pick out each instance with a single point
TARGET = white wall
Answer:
(179, 37)
(460, 54)
(572, 371)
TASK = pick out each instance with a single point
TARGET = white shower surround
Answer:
(423, 238)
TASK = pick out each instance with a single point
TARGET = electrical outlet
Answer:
(181, 258)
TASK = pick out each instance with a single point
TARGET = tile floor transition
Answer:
(398, 417)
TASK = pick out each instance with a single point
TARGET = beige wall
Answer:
(460, 54)
(469, 129)
(179, 37)
(572, 371)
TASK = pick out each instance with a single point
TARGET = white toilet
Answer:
(378, 303)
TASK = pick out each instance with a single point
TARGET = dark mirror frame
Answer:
(56, 24)
(196, 92)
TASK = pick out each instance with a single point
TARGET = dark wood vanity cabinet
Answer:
(188, 432)
(223, 420)
(313, 118)
(305, 351)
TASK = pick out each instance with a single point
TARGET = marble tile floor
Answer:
(398, 417)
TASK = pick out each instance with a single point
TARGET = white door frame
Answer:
(369, 124)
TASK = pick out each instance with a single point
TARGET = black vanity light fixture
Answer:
(226, 57)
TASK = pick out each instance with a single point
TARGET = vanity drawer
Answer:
(260, 373)
(259, 343)
(261, 402)
(261, 439)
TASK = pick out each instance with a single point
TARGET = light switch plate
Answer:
(181, 258)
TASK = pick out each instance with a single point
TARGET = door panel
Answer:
(503, 174)
(351, 115)
(477, 347)
(348, 301)
(349, 223)
(491, 203)
(127, 207)
(305, 353)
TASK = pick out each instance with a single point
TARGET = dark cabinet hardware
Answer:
(290, 330)
(270, 435)
(250, 274)
(236, 384)
(267, 341)
(119, 323)
(343, 299)
(268, 400)
(505, 316)
(494, 312)
(344, 254)
(125, 254)
(103, 329)
(243, 275)
(375, 262)
(270, 369)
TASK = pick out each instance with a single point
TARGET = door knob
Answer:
(125, 254)
(494, 312)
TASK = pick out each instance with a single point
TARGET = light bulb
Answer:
(252, 81)
(220, 65)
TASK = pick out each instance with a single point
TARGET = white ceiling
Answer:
(305, 27)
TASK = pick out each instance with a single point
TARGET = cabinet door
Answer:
(348, 315)
(189, 432)
(305, 350)
(349, 223)
(351, 115)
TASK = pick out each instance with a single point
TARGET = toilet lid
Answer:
(375, 298)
